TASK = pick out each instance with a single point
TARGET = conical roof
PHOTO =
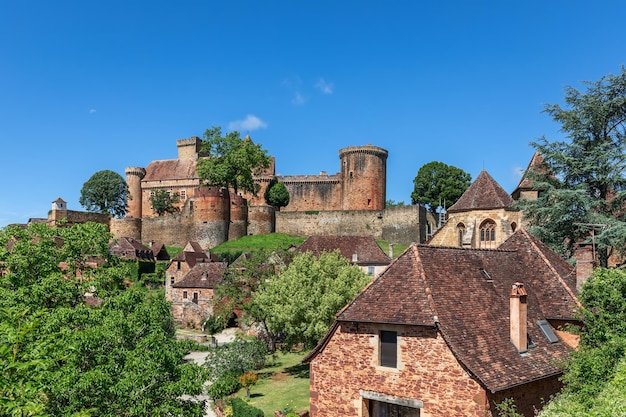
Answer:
(483, 194)
(526, 183)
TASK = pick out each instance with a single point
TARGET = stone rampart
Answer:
(72, 217)
(126, 227)
(177, 231)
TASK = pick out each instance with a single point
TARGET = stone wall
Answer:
(72, 217)
(261, 220)
(310, 192)
(177, 231)
(402, 225)
(427, 371)
(126, 227)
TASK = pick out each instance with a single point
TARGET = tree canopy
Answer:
(437, 184)
(230, 161)
(74, 341)
(276, 194)
(595, 377)
(304, 298)
(163, 202)
(105, 192)
(582, 185)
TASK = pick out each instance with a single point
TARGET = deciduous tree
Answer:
(230, 161)
(276, 194)
(163, 202)
(437, 184)
(303, 300)
(105, 192)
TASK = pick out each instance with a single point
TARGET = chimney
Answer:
(585, 263)
(519, 317)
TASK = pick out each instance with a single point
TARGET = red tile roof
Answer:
(365, 247)
(526, 183)
(203, 275)
(483, 194)
(171, 169)
(445, 287)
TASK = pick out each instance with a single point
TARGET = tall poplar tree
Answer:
(582, 188)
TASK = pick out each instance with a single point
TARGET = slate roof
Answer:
(445, 287)
(171, 169)
(483, 194)
(203, 275)
(365, 247)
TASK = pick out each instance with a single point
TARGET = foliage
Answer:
(241, 409)
(223, 386)
(119, 357)
(235, 358)
(439, 185)
(164, 202)
(247, 380)
(393, 203)
(582, 182)
(276, 194)
(507, 408)
(105, 192)
(231, 161)
(303, 300)
(597, 369)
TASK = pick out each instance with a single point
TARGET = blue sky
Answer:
(93, 85)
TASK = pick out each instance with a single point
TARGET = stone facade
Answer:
(427, 374)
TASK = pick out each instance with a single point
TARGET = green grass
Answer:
(283, 383)
(397, 249)
(271, 241)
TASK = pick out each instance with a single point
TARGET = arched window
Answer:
(488, 234)
(513, 226)
(460, 228)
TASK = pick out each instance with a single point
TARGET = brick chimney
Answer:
(585, 263)
(519, 317)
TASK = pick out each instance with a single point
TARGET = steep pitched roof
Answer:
(130, 248)
(192, 258)
(203, 275)
(484, 193)
(365, 247)
(171, 169)
(526, 183)
(447, 288)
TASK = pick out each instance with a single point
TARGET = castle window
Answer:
(151, 193)
(195, 298)
(183, 194)
(460, 231)
(488, 234)
(513, 226)
(184, 295)
(172, 281)
(388, 349)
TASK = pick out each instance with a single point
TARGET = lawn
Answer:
(283, 384)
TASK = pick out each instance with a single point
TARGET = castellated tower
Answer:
(189, 148)
(363, 177)
(134, 175)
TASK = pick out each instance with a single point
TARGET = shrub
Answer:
(223, 387)
(242, 409)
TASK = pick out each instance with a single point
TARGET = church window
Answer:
(460, 232)
(488, 234)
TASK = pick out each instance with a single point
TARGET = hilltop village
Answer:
(473, 313)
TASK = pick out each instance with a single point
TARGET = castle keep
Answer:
(347, 203)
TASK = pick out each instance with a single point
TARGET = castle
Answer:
(351, 202)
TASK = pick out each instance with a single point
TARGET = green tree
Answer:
(230, 161)
(276, 194)
(393, 203)
(595, 376)
(163, 202)
(303, 300)
(583, 181)
(70, 358)
(105, 192)
(439, 185)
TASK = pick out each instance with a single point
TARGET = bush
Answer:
(213, 325)
(242, 409)
(224, 386)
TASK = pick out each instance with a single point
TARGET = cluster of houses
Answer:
(477, 315)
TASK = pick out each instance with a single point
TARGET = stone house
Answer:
(192, 297)
(129, 248)
(362, 251)
(182, 263)
(449, 331)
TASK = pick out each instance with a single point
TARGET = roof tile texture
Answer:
(483, 194)
(365, 247)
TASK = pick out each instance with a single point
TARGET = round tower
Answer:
(238, 217)
(211, 214)
(363, 177)
(134, 175)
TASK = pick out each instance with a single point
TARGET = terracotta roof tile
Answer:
(483, 194)
(203, 275)
(472, 311)
(365, 247)
(171, 169)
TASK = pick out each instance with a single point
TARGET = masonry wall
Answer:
(311, 192)
(72, 217)
(529, 398)
(187, 313)
(506, 221)
(427, 371)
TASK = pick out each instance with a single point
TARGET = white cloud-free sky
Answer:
(93, 85)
